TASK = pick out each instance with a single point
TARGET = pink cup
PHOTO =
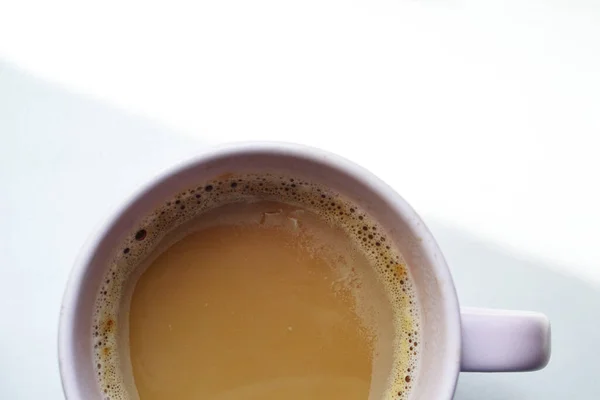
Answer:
(453, 339)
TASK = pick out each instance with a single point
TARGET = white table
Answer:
(485, 117)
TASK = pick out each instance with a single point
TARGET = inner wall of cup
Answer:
(436, 351)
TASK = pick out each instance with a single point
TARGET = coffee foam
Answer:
(109, 329)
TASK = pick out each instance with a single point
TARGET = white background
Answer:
(484, 115)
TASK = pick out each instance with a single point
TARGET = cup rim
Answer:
(68, 312)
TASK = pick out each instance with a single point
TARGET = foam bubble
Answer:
(110, 352)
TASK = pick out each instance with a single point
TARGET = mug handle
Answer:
(504, 341)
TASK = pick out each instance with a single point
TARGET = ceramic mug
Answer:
(453, 339)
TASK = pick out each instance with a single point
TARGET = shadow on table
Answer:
(487, 276)
(74, 156)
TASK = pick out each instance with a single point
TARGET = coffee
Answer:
(257, 287)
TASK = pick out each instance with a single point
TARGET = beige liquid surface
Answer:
(262, 301)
